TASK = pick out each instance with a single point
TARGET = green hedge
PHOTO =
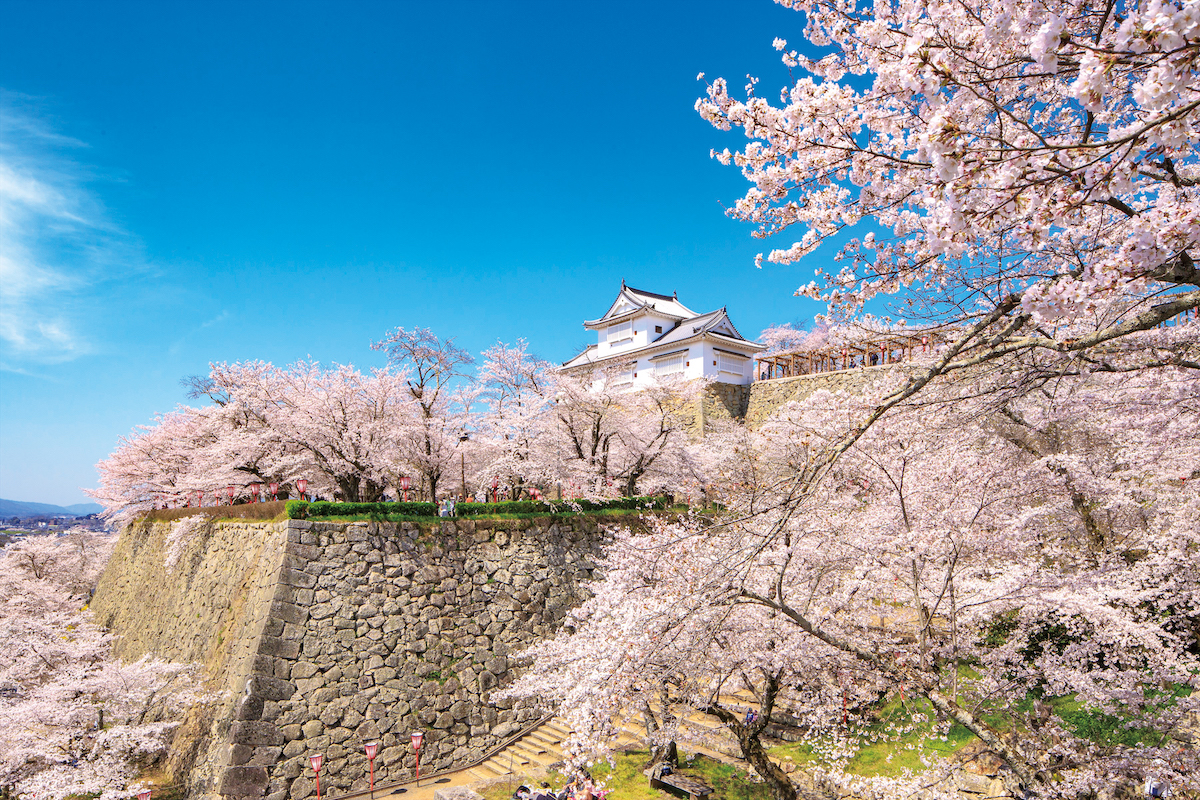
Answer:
(564, 506)
(298, 509)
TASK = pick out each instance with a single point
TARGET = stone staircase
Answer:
(538, 750)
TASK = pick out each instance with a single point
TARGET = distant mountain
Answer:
(16, 508)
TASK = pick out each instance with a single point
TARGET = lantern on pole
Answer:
(199, 499)
(495, 487)
(924, 343)
(372, 749)
(302, 486)
(274, 490)
(255, 489)
(144, 794)
(316, 762)
(417, 738)
(229, 491)
(405, 484)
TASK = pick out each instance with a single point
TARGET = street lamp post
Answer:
(302, 485)
(199, 499)
(405, 483)
(255, 489)
(372, 749)
(316, 762)
(229, 491)
(417, 738)
(274, 490)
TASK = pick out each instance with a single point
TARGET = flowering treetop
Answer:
(1018, 164)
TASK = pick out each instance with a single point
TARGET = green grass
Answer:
(628, 783)
(616, 512)
(885, 751)
(893, 741)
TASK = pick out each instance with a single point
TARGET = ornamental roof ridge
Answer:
(652, 294)
(667, 306)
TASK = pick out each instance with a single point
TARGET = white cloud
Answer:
(57, 243)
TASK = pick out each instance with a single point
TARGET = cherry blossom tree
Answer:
(605, 436)
(1043, 535)
(74, 720)
(516, 388)
(339, 422)
(432, 367)
(1025, 174)
(343, 430)
(1022, 166)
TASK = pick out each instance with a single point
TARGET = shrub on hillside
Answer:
(298, 509)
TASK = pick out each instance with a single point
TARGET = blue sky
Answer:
(186, 183)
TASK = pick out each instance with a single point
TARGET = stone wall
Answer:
(725, 401)
(767, 396)
(359, 632)
(211, 609)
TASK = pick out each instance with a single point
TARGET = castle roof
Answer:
(689, 327)
(630, 303)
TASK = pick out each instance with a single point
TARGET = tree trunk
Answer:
(750, 743)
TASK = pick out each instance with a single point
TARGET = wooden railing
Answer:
(872, 353)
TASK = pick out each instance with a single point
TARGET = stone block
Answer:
(301, 787)
(279, 648)
(288, 612)
(303, 669)
(312, 729)
(265, 756)
(240, 754)
(286, 593)
(294, 577)
(250, 708)
(241, 782)
(306, 551)
(272, 688)
(255, 733)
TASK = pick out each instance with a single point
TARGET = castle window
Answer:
(669, 366)
(731, 365)
(620, 333)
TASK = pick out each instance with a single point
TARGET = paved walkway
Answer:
(529, 758)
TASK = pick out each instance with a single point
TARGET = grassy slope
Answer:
(628, 783)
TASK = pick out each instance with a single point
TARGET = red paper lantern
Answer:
(316, 762)
(372, 749)
(417, 739)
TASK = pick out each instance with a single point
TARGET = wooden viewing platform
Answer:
(876, 352)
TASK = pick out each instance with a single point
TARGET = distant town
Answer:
(18, 517)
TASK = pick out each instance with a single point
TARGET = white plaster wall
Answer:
(711, 370)
(643, 334)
